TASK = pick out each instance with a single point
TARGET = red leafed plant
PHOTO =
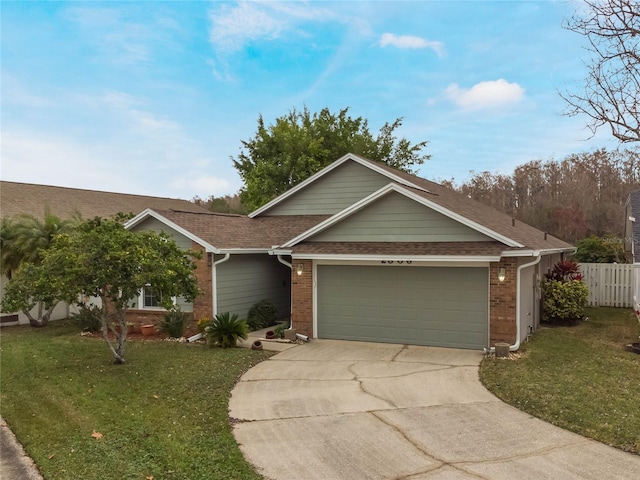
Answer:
(564, 271)
(564, 295)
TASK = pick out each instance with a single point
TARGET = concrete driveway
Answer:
(333, 410)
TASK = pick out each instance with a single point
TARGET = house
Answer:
(363, 251)
(26, 198)
(632, 243)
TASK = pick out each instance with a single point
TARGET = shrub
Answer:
(564, 271)
(175, 322)
(564, 302)
(226, 329)
(203, 323)
(279, 330)
(262, 315)
(88, 318)
(594, 249)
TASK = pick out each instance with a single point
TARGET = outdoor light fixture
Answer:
(502, 274)
(300, 269)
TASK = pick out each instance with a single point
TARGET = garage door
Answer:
(413, 305)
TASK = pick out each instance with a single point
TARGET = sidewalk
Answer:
(275, 345)
(14, 462)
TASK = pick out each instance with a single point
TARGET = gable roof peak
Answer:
(391, 173)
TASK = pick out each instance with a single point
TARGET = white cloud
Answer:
(110, 32)
(33, 157)
(202, 186)
(485, 94)
(16, 92)
(233, 26)
(138, 119)
(30, 156)
(410, 42)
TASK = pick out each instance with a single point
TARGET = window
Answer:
(151, 297)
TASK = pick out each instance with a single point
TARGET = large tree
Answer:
(300, 143)
(103, 259)
(581, 195)
(611, 94)
(227, 204)
(23, 239)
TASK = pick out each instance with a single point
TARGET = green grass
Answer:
(579, 378)
(162, 415)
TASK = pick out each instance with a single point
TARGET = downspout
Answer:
(214, 282)
(516, 346)
(287, 264)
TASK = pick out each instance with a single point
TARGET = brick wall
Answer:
(502, 302)
(144, 317)
(302, 297)
(203, 303)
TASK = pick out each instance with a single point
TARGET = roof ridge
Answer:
(92, 190)
(220, 214)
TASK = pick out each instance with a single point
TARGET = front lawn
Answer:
(579, 378)
(162, 415)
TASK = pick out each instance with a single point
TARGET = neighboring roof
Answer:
(235, 232)
(27, 198)
(634, 202)
(448, 201)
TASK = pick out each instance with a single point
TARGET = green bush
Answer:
(175, 322)
(88, 318)
(564, 302)
(262, 315)
(226, 329)
(607, 249)
(203, 323)
(279, 330)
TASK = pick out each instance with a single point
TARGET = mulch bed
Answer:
(136, 336)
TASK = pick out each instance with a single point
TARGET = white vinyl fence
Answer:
(610, 284)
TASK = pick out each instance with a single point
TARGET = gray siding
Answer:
(246, 279)
(332, 193)
(529, 299)
(151, 224)
(396, 218)
(157, 226)
(435, 306)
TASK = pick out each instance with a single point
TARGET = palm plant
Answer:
(32, 235)
(22, 241)
(175, 322)
(226, 329)
(10, 257)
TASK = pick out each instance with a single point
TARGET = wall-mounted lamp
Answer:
(502, 274)
(300, 269)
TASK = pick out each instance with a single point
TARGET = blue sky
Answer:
(155, 97)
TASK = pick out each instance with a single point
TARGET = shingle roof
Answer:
(456, 249)
(27, 198)
(263, 232)
(237, 231)
(479, 213)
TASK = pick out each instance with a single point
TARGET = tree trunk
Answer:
(120, 333)
(42, 320)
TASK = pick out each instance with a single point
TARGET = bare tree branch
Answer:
(611, 93)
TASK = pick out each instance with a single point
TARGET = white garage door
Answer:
(437, 306)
